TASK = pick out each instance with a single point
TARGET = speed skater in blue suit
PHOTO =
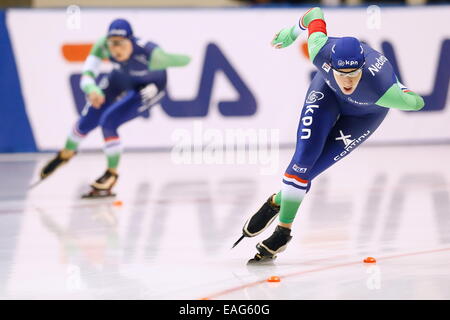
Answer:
(347, 100)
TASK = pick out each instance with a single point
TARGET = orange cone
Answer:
(370, 260)
(274, 279)
(117, 203)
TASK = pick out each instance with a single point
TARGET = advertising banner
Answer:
(236, 80)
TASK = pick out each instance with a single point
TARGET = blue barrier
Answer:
(15, 130)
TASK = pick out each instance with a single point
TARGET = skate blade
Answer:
(261, 260)
(42, 178)
(35, 184)
(98, 195)
(237, 242)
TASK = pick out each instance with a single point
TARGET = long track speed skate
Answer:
(269, 248)
(101, 188)
(260, 220)
(50, 167)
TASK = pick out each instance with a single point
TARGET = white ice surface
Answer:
(171, 238)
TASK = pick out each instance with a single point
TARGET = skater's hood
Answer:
(120, 28)
(347, 53)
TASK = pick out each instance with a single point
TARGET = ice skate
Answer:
(50, 167)
(101, 188)
(54, 164)
(269, 248)
(260, 220)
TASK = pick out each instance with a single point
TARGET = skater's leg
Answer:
(276, 198)
(89, 120)
(110, 121)
(112, 86)
(131, 106)
(320, 113)
(85, 124)
(292, 206)
(291, 200)
(122, 111)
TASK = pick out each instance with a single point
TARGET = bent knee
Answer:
(108, 122)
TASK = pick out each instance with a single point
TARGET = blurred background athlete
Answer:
(137, 82)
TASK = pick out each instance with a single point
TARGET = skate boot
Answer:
(101, 188)
(260, 220)
(54, 164)
(269, 248)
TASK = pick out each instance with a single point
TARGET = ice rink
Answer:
(171, 237)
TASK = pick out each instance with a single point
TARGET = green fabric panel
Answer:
(161, 60)
(420, 103)
(277, 198)
(395, 98)
(315, 13)
(292, 34)
(286, 37)
(92, 88)
(288, 210)
(316, 41)
(113, 160)
(71, 145)
(89, 73)
(100, 49)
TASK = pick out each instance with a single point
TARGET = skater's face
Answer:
(347, 79)
(121, 48)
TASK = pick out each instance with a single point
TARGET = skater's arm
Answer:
(91, 67)
(90, 71)
(160, 60)
(314, 21)
(317, 31)
(399, 97)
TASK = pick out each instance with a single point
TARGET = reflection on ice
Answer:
(171, 238)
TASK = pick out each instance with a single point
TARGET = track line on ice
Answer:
(299, 273)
